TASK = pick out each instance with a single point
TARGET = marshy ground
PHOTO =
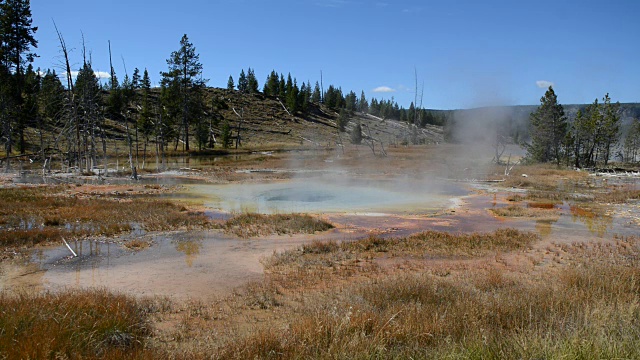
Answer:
(436, 255)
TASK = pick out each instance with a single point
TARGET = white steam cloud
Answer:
(544, 84)
(383, 89)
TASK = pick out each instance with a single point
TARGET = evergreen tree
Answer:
(351, 102)
(272, 84)
(89, 116)
(230, 85)
(30, 114)
(356, 134)
(252, 82)
(610, 126)
(631, 146)
(225, 135)
(185, 77)
(343, 120)
(16, 41)
(282, 92)
(145, 120)
(52, 99)
(115, 101)
(292, 97)
(135, 79)
(548, 129)
(288, 86)
(52, 96)
(243, 84)
(315, 96)
(363, 105)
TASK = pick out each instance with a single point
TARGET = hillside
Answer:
(262, 121)
(266, 121)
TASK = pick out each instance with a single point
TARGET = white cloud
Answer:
(544, 84)
(102, 75)
(383, 89)
(98, 74)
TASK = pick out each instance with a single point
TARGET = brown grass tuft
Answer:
(74, 324)
(251, 225)
(32, 215)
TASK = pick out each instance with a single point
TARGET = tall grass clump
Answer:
(87, 324)
(251, 224)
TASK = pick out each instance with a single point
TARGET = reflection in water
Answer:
(545, 227)
(596, 222)
(191, 249)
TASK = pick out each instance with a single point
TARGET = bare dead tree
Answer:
(241, 116)
(71, 108)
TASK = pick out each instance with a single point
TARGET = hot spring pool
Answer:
(328, 196)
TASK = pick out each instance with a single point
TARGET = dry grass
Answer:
(586, 309)
(32, 215)
(137, 244)
(73, 325)
(617, 196)
(542, 211)
(437, 243)
(252, 225)
(323, 262)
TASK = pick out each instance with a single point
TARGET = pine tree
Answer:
(135, 79)
(548, 129)
(52, 99)
(145, 120)
(88, 106)
(356, 134)
(225, 135)
(315, 96)
(252, 82)
(343, 120)
(16, 41)
(610, 126)
(363, 105)
(185, 79)
(292, 98)
(243, 84)
(272, 84)
(230, 85)
(282, 90)
(351, 102)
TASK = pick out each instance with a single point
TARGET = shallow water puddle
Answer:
(179, 265)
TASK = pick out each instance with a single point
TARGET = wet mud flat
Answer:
(207, 264)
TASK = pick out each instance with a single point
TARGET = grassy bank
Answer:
(36, 214)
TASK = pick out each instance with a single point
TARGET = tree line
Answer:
(594, 135)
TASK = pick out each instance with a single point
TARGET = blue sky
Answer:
(466, 53)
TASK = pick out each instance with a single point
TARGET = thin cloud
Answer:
(98, 74)
(544, 84)
(383, 89)
(332, 3)
(102, 75)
